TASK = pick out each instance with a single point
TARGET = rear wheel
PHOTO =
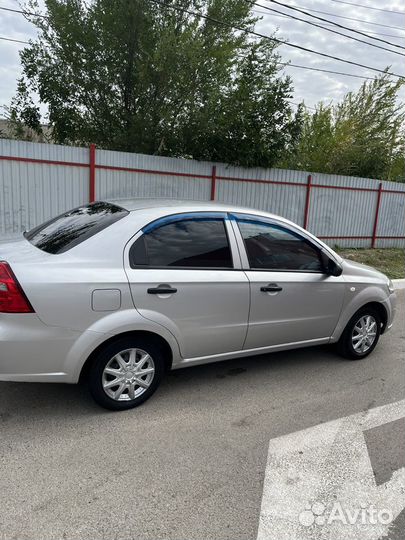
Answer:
(126, 373)
(361, 334)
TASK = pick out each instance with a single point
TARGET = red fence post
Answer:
(307, 201)
(92, 176)
(213, 182)
(377, 213)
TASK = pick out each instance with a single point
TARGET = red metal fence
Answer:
(308, 184)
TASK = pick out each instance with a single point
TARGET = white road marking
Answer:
(319, 483)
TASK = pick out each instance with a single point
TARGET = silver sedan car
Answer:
(120, 292)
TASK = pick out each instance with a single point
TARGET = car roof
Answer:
(182, 205)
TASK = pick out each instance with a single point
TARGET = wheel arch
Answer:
(366, 298)
(146, 334)
(345, 319)
(381, 310)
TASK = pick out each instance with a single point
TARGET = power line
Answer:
(377, 33)
(288, 44)
(327, 29)
(256, 11)
(311, 68)
(24, 12)
(288, 64)
(15, 40)
(370, 7)
(314, 10)
(351, 29)
(336, 24)
(302, 103)
(351, 18)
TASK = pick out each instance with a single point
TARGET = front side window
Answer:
(272, 247)
(185, 243)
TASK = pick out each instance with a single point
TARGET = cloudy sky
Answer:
(310, 86)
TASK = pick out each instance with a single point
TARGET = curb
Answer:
(399, 283)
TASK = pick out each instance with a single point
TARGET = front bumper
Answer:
(390, 304)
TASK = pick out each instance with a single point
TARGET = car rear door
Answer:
(292, 299)
(185, 273)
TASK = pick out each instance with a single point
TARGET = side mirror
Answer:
(331, 267)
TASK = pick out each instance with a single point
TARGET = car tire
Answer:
(357, 342)
(126, 372)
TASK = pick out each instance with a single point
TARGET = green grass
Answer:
(390, 261)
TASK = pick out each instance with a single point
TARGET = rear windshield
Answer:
(70, 229)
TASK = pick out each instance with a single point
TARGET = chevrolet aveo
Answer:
(120, 292)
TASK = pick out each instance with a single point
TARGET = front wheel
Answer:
(361, 334)
(126, 373)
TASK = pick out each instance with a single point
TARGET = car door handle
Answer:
(162, 290)
(272, 287)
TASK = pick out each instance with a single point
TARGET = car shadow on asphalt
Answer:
(21, 399)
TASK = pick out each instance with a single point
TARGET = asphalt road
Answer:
(190, 463)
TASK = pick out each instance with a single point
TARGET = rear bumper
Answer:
(33, 351)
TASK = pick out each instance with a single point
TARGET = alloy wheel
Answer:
(128, 374)
(364, 334)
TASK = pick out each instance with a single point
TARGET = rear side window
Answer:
(188, 243)
(70, 229)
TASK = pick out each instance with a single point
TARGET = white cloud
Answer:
(310, 86)
(15, 26)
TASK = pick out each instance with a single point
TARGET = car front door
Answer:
(293, 300)
(185, 273)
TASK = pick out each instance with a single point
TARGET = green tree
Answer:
(133, 75)
(361, 136)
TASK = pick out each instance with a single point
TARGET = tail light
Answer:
(12, 297)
